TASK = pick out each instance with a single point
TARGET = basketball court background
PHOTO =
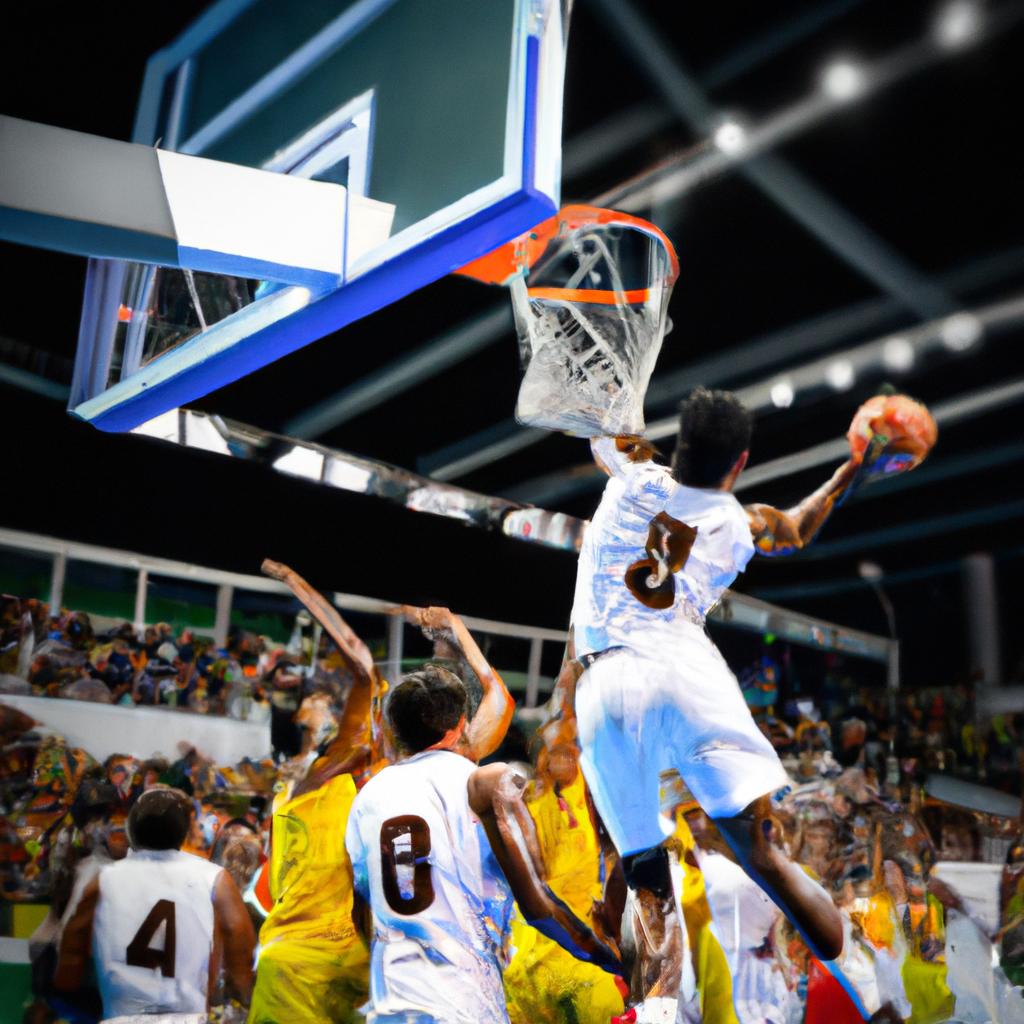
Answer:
(925, 166)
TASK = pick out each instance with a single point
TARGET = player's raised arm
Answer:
(485, 732)
(496, 797)
(355, 653)
(782, 531)
(76, 942)
(354, 724)
(615, 455)
(560, 726)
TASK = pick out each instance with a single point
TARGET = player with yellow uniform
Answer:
(544, 982)
(312, 964)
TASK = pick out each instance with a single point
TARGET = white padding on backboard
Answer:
(369, 225)
(252, 222)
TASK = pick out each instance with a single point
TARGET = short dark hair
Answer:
(424, 706)
(714, 431)
(159, 819)
(95, 799)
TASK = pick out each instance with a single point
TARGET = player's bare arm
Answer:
(560, 727)
(621, 451)
(356, 654)
(889, 434)
(496, 797)
(350, 748)
(76, 942)
(486, 731)
(782, 531)
(235, 936)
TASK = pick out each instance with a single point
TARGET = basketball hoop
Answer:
(590, 291)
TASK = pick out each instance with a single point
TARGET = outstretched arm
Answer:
(236, 936)
(354, 728)
(615, 455)
(781, 532)
(490, 723)
(560, 726)
(76, 942)
(562, 703)
(496, 796)
(356, 654)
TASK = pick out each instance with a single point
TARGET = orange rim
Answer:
(598, 296)
(579, 216)
(499, 265)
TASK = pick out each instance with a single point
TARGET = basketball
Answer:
(893, 432)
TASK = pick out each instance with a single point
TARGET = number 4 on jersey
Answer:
(141, 954)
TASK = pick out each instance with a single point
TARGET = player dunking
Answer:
(656, 694)
(438, 848)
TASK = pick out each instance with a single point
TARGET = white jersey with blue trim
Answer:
(153, 933)
(605, 613)
(441, 904)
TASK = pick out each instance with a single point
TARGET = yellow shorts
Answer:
(544, 984)
(305, 982)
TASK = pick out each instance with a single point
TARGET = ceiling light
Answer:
(960, 331)
(842, 81)
(870, 571)
(958, 23)
(898, 354)
(782, 394)
(840, 375)
(730, 137)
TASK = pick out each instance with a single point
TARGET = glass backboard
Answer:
(440, 119)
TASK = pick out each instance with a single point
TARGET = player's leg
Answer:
(802, 900)
(732, 769)
(656, 927)
(622, 760)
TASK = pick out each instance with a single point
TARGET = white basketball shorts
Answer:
(640, 716)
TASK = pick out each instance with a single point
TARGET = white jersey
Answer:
(441, 905)
(153, 933)
(605, 614)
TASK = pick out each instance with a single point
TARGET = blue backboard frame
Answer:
(527, 193)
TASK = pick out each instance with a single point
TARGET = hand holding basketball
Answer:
(890, 434)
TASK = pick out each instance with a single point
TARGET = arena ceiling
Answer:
(877, 214)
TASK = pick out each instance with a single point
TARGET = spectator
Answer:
(283, 684)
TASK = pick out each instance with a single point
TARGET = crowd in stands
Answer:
(62, 816)
(933, 730)
(857, 815)
(904, 736)
(248, 678)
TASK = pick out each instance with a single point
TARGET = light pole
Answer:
(873, 574)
